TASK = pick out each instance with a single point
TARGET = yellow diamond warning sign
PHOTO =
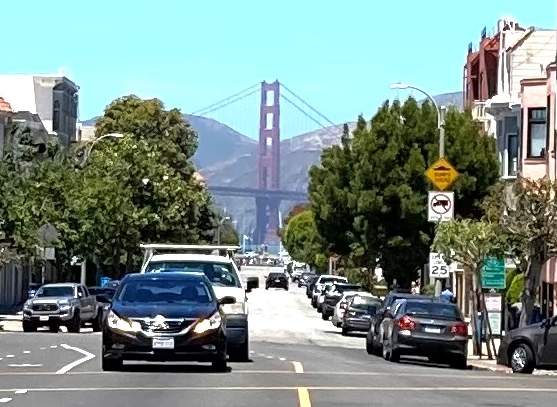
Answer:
(442, 174)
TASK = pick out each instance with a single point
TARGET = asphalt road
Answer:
(297, 360)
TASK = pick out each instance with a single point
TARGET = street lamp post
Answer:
(221, 222)
(83, 277)
(441, 110)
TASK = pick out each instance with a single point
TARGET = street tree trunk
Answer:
(532, 278)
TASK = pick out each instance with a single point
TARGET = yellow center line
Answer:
(303, 393)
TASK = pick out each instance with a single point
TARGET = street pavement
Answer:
(297, 360)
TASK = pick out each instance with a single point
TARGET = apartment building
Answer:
(53, 97)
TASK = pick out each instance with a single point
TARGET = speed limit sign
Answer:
(438, 268)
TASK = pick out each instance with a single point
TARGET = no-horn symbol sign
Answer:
(440, 206)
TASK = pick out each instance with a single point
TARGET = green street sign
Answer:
(494, 274)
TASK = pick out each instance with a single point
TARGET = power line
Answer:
(238, 96)
(308, 105)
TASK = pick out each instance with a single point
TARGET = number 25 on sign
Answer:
(442, 174)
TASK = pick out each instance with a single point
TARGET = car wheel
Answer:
(313, 303)
(522, 359)
(339, 324)
(324, 316)
(28, 326)
(219, 365)
(459, 362)
(318, 308)
(369, 348)
(394, 356)
(53, 328)
(286, 288)
(344, 332)
(97, 322)
(240, 353)
(110, 365)
(74, 324)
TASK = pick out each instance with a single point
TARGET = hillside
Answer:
(228, 158)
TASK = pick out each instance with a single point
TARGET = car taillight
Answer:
(406, 323)
(459, 329)
(343, 304)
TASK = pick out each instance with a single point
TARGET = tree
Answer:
(370, 194)
(296, 209)
(302, 241)
(155, 161)
(228, 234)
(529, 221)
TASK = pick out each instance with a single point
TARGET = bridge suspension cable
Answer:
(308, 106)
(228, 100)
(313, 119)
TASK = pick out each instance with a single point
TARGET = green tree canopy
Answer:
(301, 241)
(369, 194)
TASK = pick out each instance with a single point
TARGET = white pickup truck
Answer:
(218, 264)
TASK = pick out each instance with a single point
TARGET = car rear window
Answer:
(433, 309)
(343, 288)
(276, 275)
(325, 280)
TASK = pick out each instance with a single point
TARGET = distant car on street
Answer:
(277, 280)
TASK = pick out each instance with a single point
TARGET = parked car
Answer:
(304, 278)
(332, 297)
(431, 328)
(311, 285)
(62, 304)
(320, 284)
(359, 311)
(276, 280)
(530, 347)
(375, 333)
(340, 307)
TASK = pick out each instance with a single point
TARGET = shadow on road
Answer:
(351, 334)
(167, 368)
(425, 363)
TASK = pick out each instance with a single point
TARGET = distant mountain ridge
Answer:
(226, 157)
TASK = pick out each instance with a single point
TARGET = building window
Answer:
(56, 116)
(512, 154)
(537, 132)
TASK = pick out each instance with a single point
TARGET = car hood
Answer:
(171, 311)
(50, 300)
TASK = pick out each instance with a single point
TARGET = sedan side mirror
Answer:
(227, 300)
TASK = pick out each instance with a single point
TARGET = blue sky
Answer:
(340, 56)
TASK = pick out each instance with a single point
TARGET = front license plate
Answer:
(163, 343)
(433, 330)
(277, 280)
(43, 318)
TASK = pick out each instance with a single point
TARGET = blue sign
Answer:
(494, 274)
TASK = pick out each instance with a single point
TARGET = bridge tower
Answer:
(268, 164)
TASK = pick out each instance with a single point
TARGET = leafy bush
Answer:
(514, 292)
(428, 289)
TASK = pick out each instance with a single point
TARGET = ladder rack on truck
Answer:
(153, 248)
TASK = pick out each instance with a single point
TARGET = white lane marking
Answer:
(53, 346)
(5, 399)
(1, 358)
(282, 359)
(298, 367)
(26, 351)
(270, 357)
(261, 354)
(87, 357)
(20, 391)
(26, 365)
(43, 348)
(10, 356)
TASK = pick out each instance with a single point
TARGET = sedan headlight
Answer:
(122, 324)
(236, 308)
(208, 324)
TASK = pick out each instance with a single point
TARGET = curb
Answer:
(488, 367)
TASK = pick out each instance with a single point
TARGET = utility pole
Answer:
(442, 111)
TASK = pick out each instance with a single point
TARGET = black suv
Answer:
(165, 317)
(276, 280)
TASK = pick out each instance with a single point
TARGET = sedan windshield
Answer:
(65, 291)
(165, 291)
(219, 274)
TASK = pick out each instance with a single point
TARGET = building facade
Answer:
(54, 98)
